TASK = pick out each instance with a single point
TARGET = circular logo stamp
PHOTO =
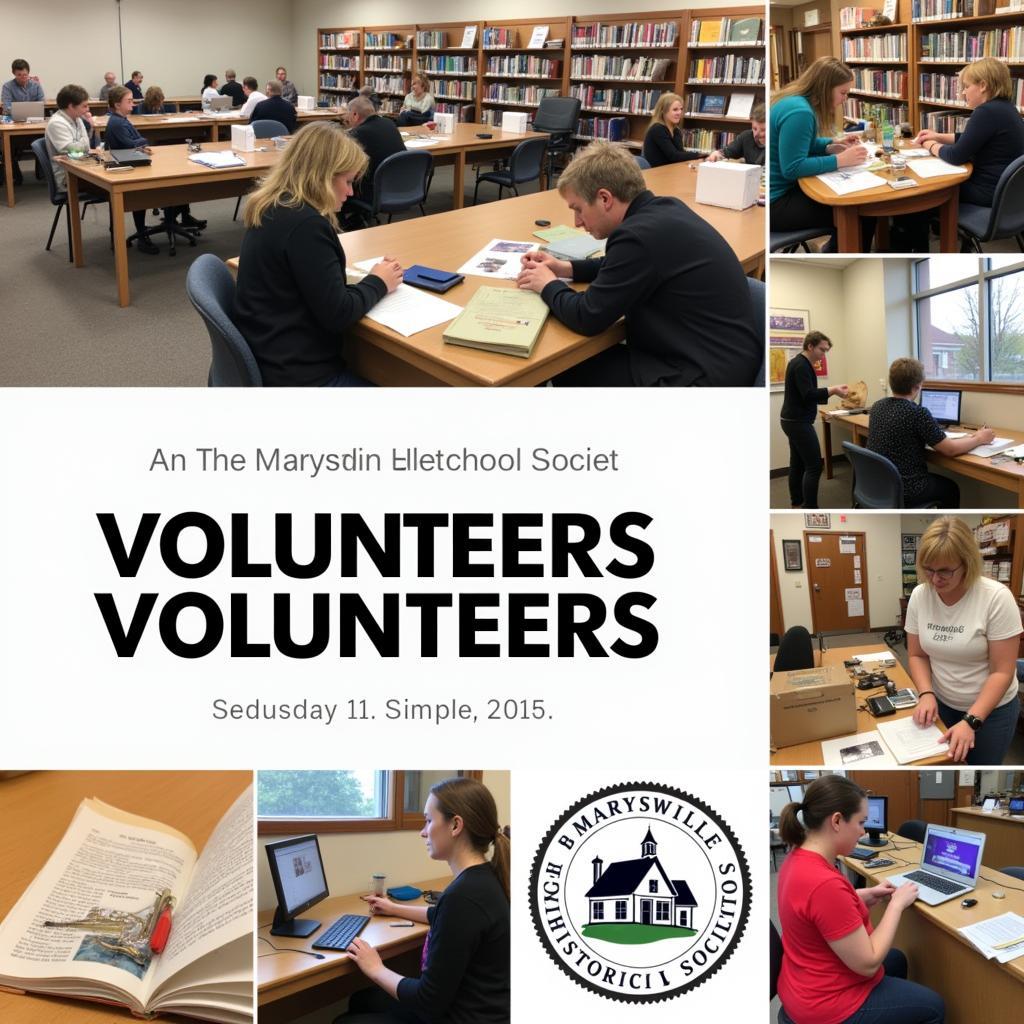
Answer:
(640, 892)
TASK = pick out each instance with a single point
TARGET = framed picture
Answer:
(786, 331)
(818, 520)
(792, 556)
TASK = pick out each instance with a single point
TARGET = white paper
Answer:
(856, 561)
(847, 545)
(409, 310)
(814, 540)
(810, 18)
(468, 36)
(853, 593)
(223, 158)
(998, 444)
(996, 931)
(501, 258)
(933, 167)
(954, 434)
(856, 576)
(875, 656)
(908, 741)
(863, 749)
(420, 143)
(823, 563)
(855, 608)
(539, 37)
(181, 120)
(845, 182)
(914, 151)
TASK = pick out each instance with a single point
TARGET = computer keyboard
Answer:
(944, 885)
(340, 935)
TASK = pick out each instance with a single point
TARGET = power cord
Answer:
(281, 949)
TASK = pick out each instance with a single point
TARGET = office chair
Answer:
(790, 241)
(913, 829)
(757, 291)
(642, 162)
(876, 481)
(401, 181)
(58, 197)
(266, 128)
(557, 115)
(776, 954)
(524, 165)
(795, 650)
(1013, 872)
(1003, 219)
(211, 290)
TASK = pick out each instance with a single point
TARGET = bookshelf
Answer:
(452, 69)
(879, 57)
(338, 61)
(387, 63)
(724, 63)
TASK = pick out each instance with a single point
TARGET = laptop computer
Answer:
(22, 110)
(220, 103)
(942, 404)
(950, 864)
(130, 157)
(1016, 807)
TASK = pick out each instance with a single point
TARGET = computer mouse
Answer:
(319, 956)
(542, 223)
(968, 903)
(485, 135)
(999, 895)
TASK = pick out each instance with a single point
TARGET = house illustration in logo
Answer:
(639, 892)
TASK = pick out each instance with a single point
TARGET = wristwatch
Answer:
(974, 722)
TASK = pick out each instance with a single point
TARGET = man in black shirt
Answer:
(378, 136)
(274, 108)
(689, 316)
(748, 146)
(233, 89)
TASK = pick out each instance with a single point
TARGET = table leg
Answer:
(948, 213)
(826, 430)
(458, 179)
(120, 248)
(8, 169)
(76, 222)
(848, 224)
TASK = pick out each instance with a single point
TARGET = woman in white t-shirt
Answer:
(962, 634)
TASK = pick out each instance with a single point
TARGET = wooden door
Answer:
(837, 574)
(899, 787)
(775, 621)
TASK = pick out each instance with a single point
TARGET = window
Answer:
(970, 318)
(653, 885)
(291, 802)
(620, 910)
(597, 910)
(661, 911)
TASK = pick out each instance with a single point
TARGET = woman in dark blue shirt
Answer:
(663, 143)
(799, 411)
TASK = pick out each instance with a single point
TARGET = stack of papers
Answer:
(223, 158)
(419, 143)
(501, 258)
(406, 310)
(907, 741)
(985, 451)
(845, 182)
(893, 743)
(999, 938)
(933, 167)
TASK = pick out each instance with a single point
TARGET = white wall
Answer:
(350, 860)
(173, 45)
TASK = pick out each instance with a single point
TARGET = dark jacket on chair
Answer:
(381, 139)
(275, 109)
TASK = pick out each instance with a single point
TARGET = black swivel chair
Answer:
(557, 115)
(642, 162)
(876, 480)
(524, 165)
(757, 291)
(776, 954)
(58, 197)
(1004, 218)
(400, 182)
(913, 829)
(1013, 872)
(795, 650)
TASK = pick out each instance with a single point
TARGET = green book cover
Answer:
(559, 231)
(506, 320)
(746, 30)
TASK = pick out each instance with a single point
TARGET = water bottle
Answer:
(887, 135)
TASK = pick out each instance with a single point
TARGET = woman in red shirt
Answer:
(837, 968)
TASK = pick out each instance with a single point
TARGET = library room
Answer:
(896, 127)
(150, 172)
(896, 895)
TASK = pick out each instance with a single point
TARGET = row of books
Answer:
(997, 569)
(739, 104)
(615, 129)
(462, 111)
(430, 38)
(339, 40)
(376, 63)
(891, 83)
(946, 89)
(639, 34)
(726, 30)
(859, 109)
(938, 10)
(333, 62)
(945, 121)
(1006, 43)
(729, 68)
(337, 81)
(603, 65)
(388, 83)
(524, 64)
(386, 41)
(452, 65)
(629, 101)
(891, 46)
(389, 104)
(454, 88)
(704, 140)
(524, 94)
(856, 17)
(499, 38)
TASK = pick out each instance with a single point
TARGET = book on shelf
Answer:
(741, 31)
(744, 30)
(712, 103)
(741, 104)
(83, 927)
(554, 44)
(538, 37)
(505, 320)
(468, 37)
(635, 34)
(710, 30)
(856, 17)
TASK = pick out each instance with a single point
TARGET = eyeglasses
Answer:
(941, 574)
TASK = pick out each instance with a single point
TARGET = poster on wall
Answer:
(787, 328)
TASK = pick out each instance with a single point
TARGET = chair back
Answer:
(268, 128)
(795, 650)
(1013, 872)
(170, 108)
(557, 114)
(400, 181)
(211, 290)
(757, 302)
(526, 160)
(642, 162)
(1008, 203)
(913, 829)
(876, 481)
(775, 953)
(42, 154)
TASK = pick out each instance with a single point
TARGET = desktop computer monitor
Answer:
(298, 873)
(943, 405)
(1016, 806)
(878, 821)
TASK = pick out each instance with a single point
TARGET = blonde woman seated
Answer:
(418, 105)
(292, 302)
(663, 143)
(962, 636)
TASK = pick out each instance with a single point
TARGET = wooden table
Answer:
(941, 193)
(809, 753)
(1009, 476)
(42, 805)
(288, 986)
(1004, 842)
(449, 239)
(975, 990)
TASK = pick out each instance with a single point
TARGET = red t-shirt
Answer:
(817, 905)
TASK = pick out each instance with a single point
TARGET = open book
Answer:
(98, 889)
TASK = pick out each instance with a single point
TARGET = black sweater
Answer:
(380, 139)
(235, 91)
(745, 146)
(292, 303)
(466, 980)
(275, 109)
(803, 395)
(993, 139)
(689, 318)
(662, 148)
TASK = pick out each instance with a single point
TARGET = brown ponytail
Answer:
(473, 803)
(823, 798)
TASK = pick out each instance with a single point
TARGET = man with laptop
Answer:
(902, 431)
(22, 88)
(950, 864)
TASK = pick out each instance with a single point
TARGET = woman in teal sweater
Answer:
(801, 113)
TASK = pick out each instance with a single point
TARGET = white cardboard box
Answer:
(732, 185)
(306, 103)
(445, 123)
(513, 121)
(243, 138)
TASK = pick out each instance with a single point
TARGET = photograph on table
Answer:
(896, 897)
(315, 212)
(898, 641)
(126, 890)
(383, 895)
(919, 402)
(895, 128)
